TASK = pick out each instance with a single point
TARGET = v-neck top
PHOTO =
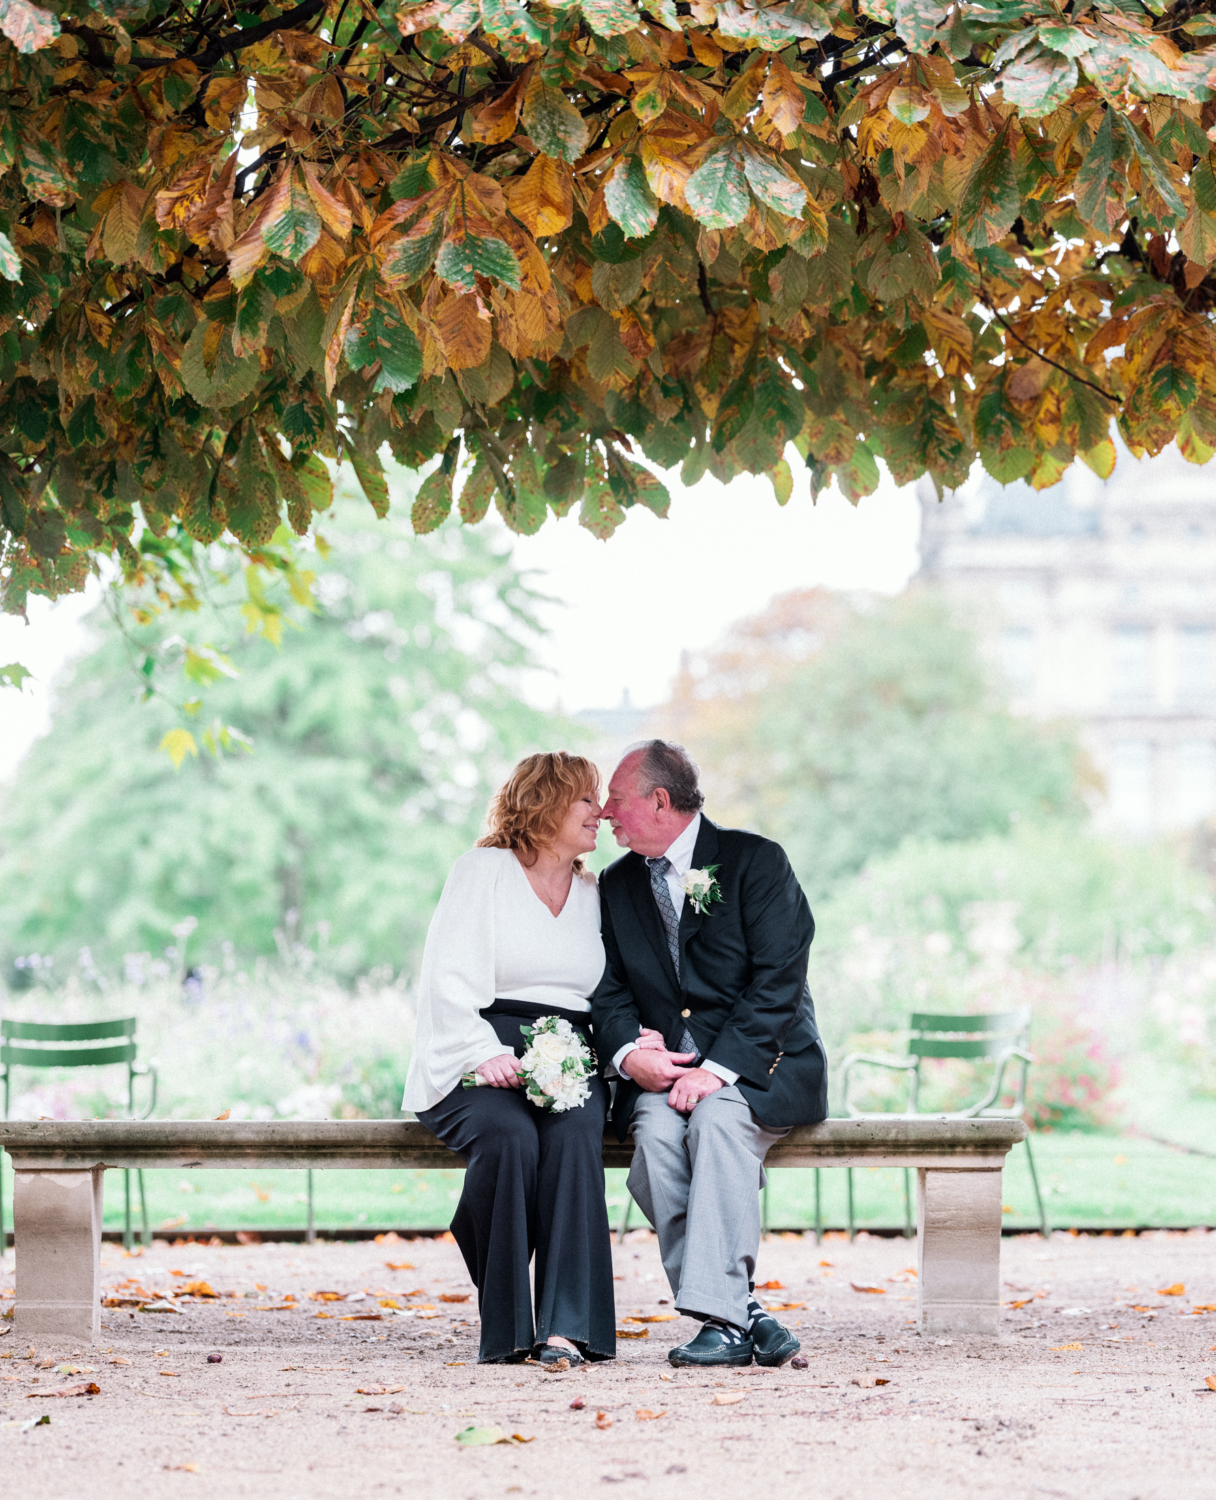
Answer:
(493, 938)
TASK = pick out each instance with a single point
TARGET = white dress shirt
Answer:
(679, 854)
(493, 938)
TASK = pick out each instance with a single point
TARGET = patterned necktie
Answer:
(671, 926)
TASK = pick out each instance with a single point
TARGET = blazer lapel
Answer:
(638, 872)
(704, 854)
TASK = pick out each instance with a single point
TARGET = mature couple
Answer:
(687, 966)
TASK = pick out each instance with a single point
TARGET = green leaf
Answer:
(552, 122)
(717, 191)
(204, 665)
(773, 186)
(433, 504)
(254, 310)
(917, 22)
(227, 381)
(610, 17)
(481, 1437)
(27, 26)
(412, 254)
(628, 198)
(1093, 182)
(1152, 166)
(297, 227)
(461, 261)
(382, 335)
(783, 482)
(370, 475)
(509, 20)
(10, 261)
(990, 199)
(1039, 82)
(14, 675)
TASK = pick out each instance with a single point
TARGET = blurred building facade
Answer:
(1097, 601)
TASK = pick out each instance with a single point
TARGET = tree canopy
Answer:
(543, 242)
(843, 732)
(377, 740)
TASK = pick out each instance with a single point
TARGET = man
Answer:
(721, 976)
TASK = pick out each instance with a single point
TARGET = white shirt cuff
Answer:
(621, 1054)
(719, 1071)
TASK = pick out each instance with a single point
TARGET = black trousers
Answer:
(534, 1185)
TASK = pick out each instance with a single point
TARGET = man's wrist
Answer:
(727, 1076)
(621, 1054)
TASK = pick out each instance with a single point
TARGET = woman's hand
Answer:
(651, 1040)
(501, 1072)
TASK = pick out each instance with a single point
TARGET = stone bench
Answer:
(59, 1166)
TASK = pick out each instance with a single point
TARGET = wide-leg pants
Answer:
(697, 1178)
(534, 1185)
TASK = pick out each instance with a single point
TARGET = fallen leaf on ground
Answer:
(172, 1373)
(727, 1398)
(399, 1265)
(1139, 1307)
(1177, 1290)
(196, 1289)
(1061, 1348)
(378, 1390)
(1210, 1382)
(224, 1116)
(782, 1306)
(827, 1262)
(770, 1286)
(862, 1286)
(653, 1318)
(89, 1388)
(228, 1412)
(603, 1421)
(484, 1437)
(454, 1296)
(278, 1307)
(644, 1414)
(633, 1333)
(868, 1381)
(327, 1296)
(558, 1367)
(1204, 1307)
(355, 1317)
(1022, 1303)
(182, 1468)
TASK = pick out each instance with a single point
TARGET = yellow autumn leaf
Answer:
(177, 744)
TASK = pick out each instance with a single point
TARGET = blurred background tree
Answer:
(842, 728)
(376, 733)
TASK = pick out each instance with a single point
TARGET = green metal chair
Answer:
(1002, 1037)
(33, 1044)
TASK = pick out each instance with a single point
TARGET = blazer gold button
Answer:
(686, 1014)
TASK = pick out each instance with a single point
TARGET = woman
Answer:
(516, 936)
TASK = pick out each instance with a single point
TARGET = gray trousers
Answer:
(697, 1178)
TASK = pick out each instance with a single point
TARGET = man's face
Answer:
(637, 821)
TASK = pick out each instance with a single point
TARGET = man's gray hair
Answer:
(668, 765)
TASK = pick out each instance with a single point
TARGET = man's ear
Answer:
(662, 801)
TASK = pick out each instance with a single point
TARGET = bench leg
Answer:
(958, 1216)
(57, 1229)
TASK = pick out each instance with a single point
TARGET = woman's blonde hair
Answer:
(532, 803)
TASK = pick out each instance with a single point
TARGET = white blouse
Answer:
(493, 938)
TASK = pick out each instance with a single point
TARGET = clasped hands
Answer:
(658, 1071)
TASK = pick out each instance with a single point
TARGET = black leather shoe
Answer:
(711, 1347)
(550, 1354)
(773, 1342)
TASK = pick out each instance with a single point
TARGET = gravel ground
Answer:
(1095, 1389)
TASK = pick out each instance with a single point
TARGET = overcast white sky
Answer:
(627, 607)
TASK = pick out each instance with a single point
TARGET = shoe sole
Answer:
(741, 1359)
(779, 1356)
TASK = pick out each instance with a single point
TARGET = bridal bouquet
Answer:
(554, 1068)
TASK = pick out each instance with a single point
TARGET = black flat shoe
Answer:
(711, 1347)
(773, 1342)
(550, 1354)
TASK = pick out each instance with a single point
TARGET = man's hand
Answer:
(656, 1070)
(652, 1040)
(691, 1086)
(501, 1072)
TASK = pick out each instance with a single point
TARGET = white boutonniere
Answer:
(701, 888)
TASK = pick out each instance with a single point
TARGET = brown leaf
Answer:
(783, 100)
(400, 1265)
(603, 1421)
(543, 198)
(495, 122)
(727, 1398)
(379, 1390)
(644, 1414)
(334, 213)
(633, 1333)
(772, 1286)
(868, 1381)
(224, 1116)
(463, 326)
(1210, 1382)
(454, 1296)
(1028, 380)
(874, 1291)
(653, 1318)
(89, 1388)
(1177, 1290)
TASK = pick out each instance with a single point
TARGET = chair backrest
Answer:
(49, 1049)
(985, 1035)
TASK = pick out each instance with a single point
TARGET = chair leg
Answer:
(128, 1239)
(907, 1203)
(852, 1223)
(1044, 1226)
(145, 1237)
(818, 1206)
(310, 1236)
(623, 1227)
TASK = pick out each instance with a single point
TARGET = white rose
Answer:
(549, 1048)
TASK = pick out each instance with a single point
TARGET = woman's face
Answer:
(577, 832)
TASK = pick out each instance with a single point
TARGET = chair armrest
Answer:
(147, 1070)
(998, 1082)
(872, 1060)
